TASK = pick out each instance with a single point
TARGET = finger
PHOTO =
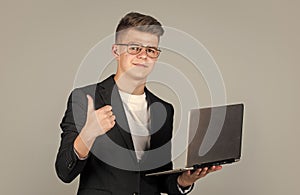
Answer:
(218, 168)
(211, 169)
(109, 113)
(105, 115)
(203, 172)
(187, 173)
(106, 108)
(113, 118)
(110, 120)
(109, 124)
(214, 168)
(90, 103)
(197, 172)
(113, 124)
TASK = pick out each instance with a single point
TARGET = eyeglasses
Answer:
(135, 49)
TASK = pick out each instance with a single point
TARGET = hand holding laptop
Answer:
(189, 177)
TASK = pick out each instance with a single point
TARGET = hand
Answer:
(187, 178)
(98, 122)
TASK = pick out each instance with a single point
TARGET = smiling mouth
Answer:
(140, 65)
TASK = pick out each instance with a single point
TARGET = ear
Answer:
(115, 52)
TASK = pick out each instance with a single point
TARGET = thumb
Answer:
(90, 103)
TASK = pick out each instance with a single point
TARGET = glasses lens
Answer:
(134, 49)
(152, 53)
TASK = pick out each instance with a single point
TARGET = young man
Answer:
(112, 130)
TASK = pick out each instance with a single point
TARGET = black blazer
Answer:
(112, 166)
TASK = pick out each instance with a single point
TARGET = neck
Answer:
(129, 85)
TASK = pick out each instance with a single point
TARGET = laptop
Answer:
(214, 137)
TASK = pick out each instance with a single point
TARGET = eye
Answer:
(150, 50)
(134, 48)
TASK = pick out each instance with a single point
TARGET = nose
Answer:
(142, 54)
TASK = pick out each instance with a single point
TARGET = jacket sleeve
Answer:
(67, 164)
(171, 183)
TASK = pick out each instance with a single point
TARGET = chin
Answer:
(138, 73)
(140, 76)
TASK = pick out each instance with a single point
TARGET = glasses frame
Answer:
(142, 46)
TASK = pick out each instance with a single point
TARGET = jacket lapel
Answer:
(158, 115)
(120, 134)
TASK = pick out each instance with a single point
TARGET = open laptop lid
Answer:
(215, 135)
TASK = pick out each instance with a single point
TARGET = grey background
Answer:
(255, 43)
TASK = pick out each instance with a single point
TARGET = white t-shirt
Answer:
(138, 120)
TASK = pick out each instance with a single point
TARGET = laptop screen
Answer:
(215, 134)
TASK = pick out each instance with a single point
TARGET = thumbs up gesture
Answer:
(98, 122)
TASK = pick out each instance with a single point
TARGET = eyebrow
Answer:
(140, 44)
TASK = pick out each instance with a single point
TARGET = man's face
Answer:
(136, 66)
